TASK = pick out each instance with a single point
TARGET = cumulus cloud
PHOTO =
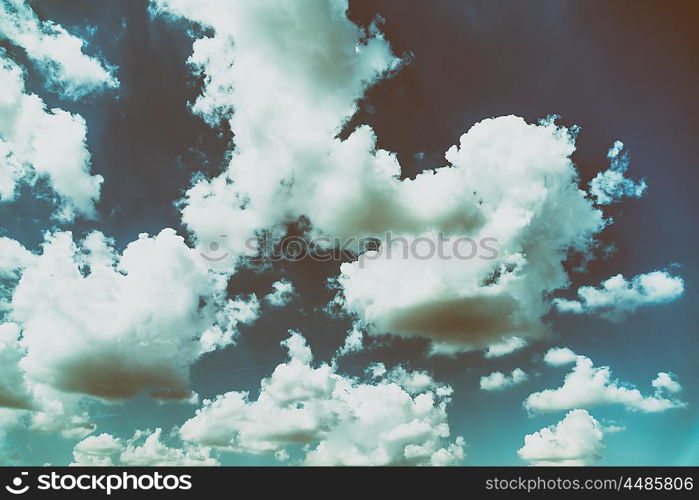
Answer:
(145, 448)
(517, 180)
(611, 186)
(112, 325)
(397, 417)
(45, 410)
(497, 381)
(68, 421)
(283, 293)
(69, 71)
(354, 342)
(618, 297)
(96, 450)
(82, 319)
(293, 72)
(505, 347)
(13, 257)
(13, 390)
(36, 143)
(587, 386)
(666, 381)
(559, 356)
(32, 405)
(575, 440)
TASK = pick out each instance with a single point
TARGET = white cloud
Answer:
(414, 382)
(505, 347)
(13, 257)
(497, 381)
(31, 405)
(575, 440)
(611, 186)
(283, 293)
(587, 386)
(558, 356)
(354, 342)
(13, 390)
(398, 417)
(81, 319)
(96, 451)
(108, 325)
(56, 52)
(36, 143)
(45, 410)
(666, 381)
(145, 448)
(510, 179)
(618, 297)
(293, 72)
(241, 310)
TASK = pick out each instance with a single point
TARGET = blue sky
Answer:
(421, 79)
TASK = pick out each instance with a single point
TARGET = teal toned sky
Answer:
(620, 71)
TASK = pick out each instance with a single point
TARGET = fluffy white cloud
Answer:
(575, 440)
(113, 325)
(497, 381)
(145, 448)
(45, 410)
(35, 406)
(96, 450)
(558, 356)
(36, 143)
(57, 412)
(82, 319)
(611, 185)
(505, 347)
(666, 381)
(56, 52)
(13, 390)
(283, 293)
(13, 257)
(617, 297)
(398, 417)
(354, 342)
(516, 182)
(292, 71)
(587, 386)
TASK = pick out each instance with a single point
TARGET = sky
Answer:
(149, 148)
